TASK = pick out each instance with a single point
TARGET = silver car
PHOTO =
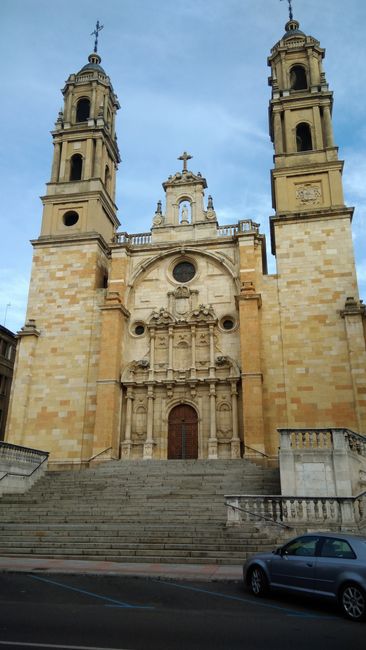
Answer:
(330, 565)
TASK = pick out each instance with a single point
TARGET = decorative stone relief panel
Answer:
(309, 194)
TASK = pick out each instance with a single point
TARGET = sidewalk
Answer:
(206, 572)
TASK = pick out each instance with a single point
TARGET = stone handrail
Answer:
(20, 467)
(303, 511)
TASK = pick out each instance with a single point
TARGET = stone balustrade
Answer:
(138, 239)
(303, 512)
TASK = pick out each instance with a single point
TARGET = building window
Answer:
(184, 272)
(298, 79)
(303, 137)
(139, 330)
(76, 167)
(228, 324)
(70, 218)
(83, 110)
(3, 382)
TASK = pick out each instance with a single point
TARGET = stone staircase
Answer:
(138, 511)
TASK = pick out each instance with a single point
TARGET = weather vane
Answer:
(98, 28)
(290, 9)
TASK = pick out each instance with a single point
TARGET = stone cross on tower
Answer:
(185, 156)
(290, 9)
(98, 28)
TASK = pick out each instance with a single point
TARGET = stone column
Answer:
(126, 444)
(212, 441)
(235, 441)
(249, 303)
(170, 353)
(93, 111)
(328, 128)
(193, 344)
(88, 161)
(314, 70)
(97, 172)
(152, 354)
(278, 136)
(56, 163)
(212, 353)
(149, 444)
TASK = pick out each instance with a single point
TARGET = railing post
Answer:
(233, 514)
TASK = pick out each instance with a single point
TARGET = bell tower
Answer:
(59, 346)
(81, 193)
(307, 175)
(312, 240)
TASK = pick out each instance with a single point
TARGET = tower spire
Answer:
(290, 13)
(98, 28)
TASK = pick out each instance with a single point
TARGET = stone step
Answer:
(138, 511)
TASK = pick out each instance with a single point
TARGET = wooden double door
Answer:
(183, 433)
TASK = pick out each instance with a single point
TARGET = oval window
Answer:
(184, 272)
(70, 218)
(139, 330)
(228, 324)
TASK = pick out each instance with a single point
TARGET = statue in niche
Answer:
(184, 214)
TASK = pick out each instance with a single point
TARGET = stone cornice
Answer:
(71, 240)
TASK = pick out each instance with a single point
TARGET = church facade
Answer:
(177, 343)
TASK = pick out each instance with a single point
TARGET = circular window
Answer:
(70, 218)
(228, 324)
(139, 330)
(184, 272)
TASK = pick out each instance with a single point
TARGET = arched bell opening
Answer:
(303, 137)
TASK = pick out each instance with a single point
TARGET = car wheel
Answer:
(257, 581)
(352, 600)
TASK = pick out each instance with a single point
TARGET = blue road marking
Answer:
(116, 603)
(259, 603)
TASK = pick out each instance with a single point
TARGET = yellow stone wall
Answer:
(54, 396)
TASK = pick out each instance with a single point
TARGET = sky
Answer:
(189, 75)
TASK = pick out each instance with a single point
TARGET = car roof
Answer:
(337, 534)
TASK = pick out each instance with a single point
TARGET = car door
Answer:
(293, 566)
(335, 557)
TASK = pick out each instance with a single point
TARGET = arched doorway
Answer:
(183, 433)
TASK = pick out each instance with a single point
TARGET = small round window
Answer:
(139, 330)
(184, 272)
(228, 324)
(70, 218)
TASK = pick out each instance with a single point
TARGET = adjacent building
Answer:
(7, 357)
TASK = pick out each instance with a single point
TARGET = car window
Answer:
(337, 548)
(302, 546)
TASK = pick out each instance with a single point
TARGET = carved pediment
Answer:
(161, 318)
(203, 313)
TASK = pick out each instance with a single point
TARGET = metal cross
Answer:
(98, 28)
(185, 156)
(290, 9)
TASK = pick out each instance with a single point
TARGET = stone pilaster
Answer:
(353, 314)
(249, 303)
(108, 407)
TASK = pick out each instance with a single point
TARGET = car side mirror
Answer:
(278, 551)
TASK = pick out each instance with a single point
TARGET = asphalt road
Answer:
(90, 612)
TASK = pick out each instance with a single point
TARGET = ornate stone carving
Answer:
(309, 194)
(161, 317)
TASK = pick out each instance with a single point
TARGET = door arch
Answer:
(183, 433)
